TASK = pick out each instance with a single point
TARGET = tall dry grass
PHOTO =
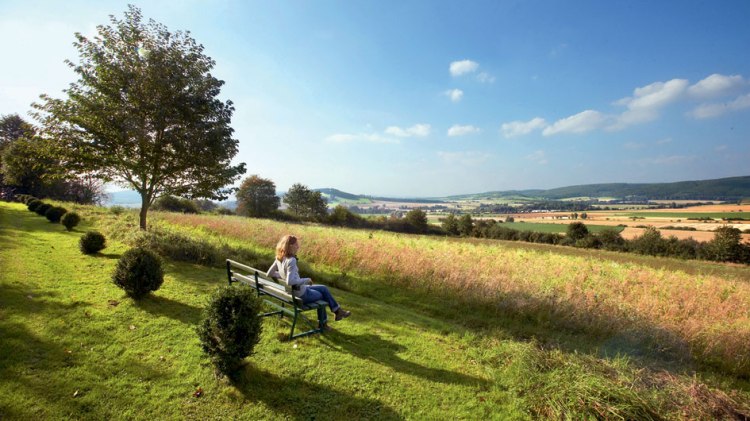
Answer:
(705, 314)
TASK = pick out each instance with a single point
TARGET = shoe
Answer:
(342, 314)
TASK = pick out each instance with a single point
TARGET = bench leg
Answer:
(322, 317)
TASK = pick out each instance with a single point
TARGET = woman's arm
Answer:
(273, 271)
(292, 274)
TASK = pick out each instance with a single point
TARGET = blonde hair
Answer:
(284, 247)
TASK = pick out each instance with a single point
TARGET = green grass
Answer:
(74, 346)
(554, 228)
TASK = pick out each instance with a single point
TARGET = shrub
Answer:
(417, 218)
(42, 209)
(117, 209)
(230, 327)
(224, 211)
(54, 213)
(175, 204)
(92, 242)
(138, 272)
(33, 204)
(70, 220)
(577, 231)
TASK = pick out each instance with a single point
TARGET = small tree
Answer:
(465, 225)
(417, 218)
(145, 113)
(257, 198)
(230, 327)
(577, 231)
(725, 247)
(305, 203)
(450, 224)
(70, 220)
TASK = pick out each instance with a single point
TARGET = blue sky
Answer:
(430, 98)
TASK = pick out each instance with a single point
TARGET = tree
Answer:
(577, 231)
(28, 165)
(257, 198)
(725, 247)
(305, 203)
(12, 128)
(450, 224)
(144, 113)
(465, 225)
(417, 218)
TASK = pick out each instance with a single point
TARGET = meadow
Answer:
(559, 228)
(442, 328)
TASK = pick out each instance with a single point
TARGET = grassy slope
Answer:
(61, 334)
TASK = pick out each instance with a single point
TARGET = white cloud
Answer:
(664, 141)
(582, 122)
(518, 128)
(464, 158)
(454, 94)
(458, 130)
(716, 85)
(458, 68)
(485, 77)
(417, 130)
(647, 101)
(539, 157)
(359, 137)
(716, 109)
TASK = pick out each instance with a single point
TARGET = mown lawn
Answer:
(74, 346)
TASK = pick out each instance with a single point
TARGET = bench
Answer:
(277, 294)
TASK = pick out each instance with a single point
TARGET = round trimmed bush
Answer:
(33, 204)
(70, 220)
(54, 213)
(92, 242)
(42, 209)
(138, 272)
(230, 327)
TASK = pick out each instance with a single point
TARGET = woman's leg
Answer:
(325, 294)
(310, 296)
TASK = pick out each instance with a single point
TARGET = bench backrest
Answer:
(237, 272)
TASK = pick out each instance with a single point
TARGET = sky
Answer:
(434, 98)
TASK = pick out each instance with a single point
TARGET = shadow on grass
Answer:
(298, 399)
(108, 255)
(161, 306)
(374, 348)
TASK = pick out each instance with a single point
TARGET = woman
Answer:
(285, 267)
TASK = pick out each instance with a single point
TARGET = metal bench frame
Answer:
(280, 291)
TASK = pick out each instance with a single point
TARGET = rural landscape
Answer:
(129, 200)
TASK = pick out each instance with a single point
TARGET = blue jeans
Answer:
(320, 292)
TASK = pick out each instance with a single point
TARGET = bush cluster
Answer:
(175, 204)
(55, 213)
(138, 272)
(92, 242)
(230, 327)
(25, 198)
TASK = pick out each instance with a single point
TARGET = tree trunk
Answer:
(145, 203)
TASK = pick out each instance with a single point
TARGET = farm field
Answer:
(550, 343)
(554, 227)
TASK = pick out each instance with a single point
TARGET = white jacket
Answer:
(287, 270)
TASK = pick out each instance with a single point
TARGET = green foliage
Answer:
(54, 213)
(650, 242)
(175, 204)
(230, 327)
(577, 231)
(305, 203)
(117, 210)
(450, 224)
(343, 217)
(224, 211)
(70, 220)
(725, 247)
(92, 242)
(33, 204)
(465, 225)
(42, 209)
(28, 164)
(417, 218)
(145, 113)
(611, 239)
(138, 272)
(257, 198)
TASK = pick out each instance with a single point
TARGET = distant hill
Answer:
(732, 188)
